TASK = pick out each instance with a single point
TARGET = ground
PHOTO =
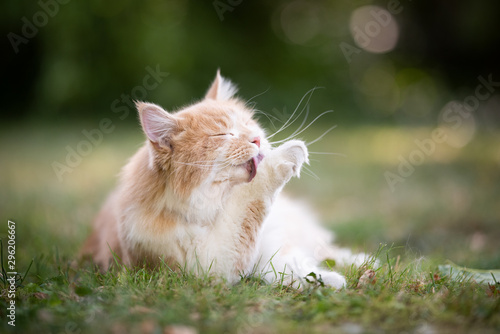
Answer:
(447, 209)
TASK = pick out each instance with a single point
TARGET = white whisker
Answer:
(199, 164)
(264, 92)
(213, 165)
(298, 133)
(309, 172)
(291, 120)
(268, 117)
(329, 153)
(298, 129)
(321, 137)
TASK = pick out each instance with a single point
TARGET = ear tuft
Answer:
(221, 88)
(158, 125)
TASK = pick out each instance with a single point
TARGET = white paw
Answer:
(358, 260)
(292, 156)
(333, 279)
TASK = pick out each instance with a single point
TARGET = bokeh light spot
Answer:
(300, 22)
(374, 29)
(458, 124)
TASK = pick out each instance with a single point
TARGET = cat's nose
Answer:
(256, 141)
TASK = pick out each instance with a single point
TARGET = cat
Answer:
(204, 194)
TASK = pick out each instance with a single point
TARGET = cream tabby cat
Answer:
(203, 193)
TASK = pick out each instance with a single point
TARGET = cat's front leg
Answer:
(239, 225)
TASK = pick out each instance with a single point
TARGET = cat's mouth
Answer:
(252, 164)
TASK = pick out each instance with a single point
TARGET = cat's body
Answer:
(203, 193)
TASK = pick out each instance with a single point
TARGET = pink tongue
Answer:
(252, 166)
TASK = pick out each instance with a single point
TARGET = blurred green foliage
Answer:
(89, 53)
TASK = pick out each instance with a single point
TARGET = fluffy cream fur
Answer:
(204, 192)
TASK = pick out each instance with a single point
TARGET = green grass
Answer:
(447, 210)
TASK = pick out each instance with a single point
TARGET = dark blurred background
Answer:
(85, 54)
(393, 71)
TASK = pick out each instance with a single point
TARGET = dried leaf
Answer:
(493, 290)
(40, 295)
(369, 277)
(138, 309)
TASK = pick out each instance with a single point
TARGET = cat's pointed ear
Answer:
(221, 88)
(158, 125)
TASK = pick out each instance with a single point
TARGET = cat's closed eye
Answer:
(222, 134)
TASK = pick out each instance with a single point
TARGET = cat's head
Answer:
(214, 141)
